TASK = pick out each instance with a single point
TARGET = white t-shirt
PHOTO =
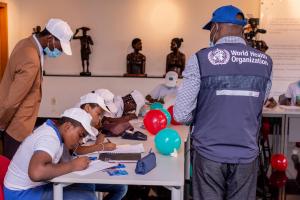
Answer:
(293, 91)
(161, 91)
(45, 139)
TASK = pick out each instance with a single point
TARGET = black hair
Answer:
(135, 41)
(45, 32)
(178, 41)
(93, 105)
(74, 122)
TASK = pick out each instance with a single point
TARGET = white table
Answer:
(286, 114)
(289, 117)
(169, 171)
(277, 112)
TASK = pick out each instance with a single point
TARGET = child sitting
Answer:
(37, 159)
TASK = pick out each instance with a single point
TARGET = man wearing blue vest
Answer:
(222, 95)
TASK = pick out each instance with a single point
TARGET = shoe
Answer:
(137, 135)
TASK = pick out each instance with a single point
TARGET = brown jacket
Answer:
(20, 90)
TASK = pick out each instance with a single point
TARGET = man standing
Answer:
(222, 94)
(20, 88)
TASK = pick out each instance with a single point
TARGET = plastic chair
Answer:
(4, 162)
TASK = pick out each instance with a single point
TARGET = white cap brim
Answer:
(88, 129)
(103, 106)
(112, 107)
(66, 47)
(170, 83)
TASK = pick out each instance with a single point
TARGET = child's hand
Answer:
(100, 138)
(109, 146)
(80, 163)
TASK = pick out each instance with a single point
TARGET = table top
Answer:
(169, 170)
(281, 110)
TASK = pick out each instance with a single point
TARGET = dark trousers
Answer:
(10, 145)
(220, 181)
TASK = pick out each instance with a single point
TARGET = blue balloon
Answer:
(156, 105)
(167, 140)
(168, 115)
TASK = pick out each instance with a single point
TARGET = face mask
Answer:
(52, 54)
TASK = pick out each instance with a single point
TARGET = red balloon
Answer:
(278, 179)
(154, 121)
(279, 162)
(173, 121)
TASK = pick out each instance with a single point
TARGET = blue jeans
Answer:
(75, 191)
(87, 191)
(115, 192)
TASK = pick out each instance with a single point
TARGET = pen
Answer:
(93, 158)
(74, 151)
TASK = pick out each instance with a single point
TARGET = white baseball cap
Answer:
(62, 31)
(108, 97)
(139, 100)
(81, 116)
(171, 79)
(93, 98)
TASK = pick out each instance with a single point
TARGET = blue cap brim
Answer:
(207, 26)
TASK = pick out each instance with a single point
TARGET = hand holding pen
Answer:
(109, 146)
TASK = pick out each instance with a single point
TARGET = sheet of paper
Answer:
(127, 148)
(96, 165)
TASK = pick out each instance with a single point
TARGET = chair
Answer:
(4, 162)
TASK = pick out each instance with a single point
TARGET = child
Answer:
(108, 97)
(293, 94)
(36, 160)
(128, 107)
(93, 104)
(169, 88)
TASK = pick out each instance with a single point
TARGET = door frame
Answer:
(3, 38)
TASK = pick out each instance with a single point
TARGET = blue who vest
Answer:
(234, 79)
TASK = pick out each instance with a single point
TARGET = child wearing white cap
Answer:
(108, 97)
(93, 104)
(128, 107)
(168, 88)
(37, 159)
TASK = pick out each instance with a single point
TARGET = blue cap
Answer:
(226, 14)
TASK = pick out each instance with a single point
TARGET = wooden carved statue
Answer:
(85, 50)
(175, 59)
(136, 61)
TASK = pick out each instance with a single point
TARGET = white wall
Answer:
(114, 23)
(60, 93)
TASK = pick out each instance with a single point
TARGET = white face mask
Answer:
(211, 43)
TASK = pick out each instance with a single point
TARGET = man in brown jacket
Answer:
(20, 88)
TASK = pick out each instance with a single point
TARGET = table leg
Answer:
(58, 191)
(284, 132)
(177, 193)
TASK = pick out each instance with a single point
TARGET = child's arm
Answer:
(95, 147)
(98, 146)
(41, 167)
